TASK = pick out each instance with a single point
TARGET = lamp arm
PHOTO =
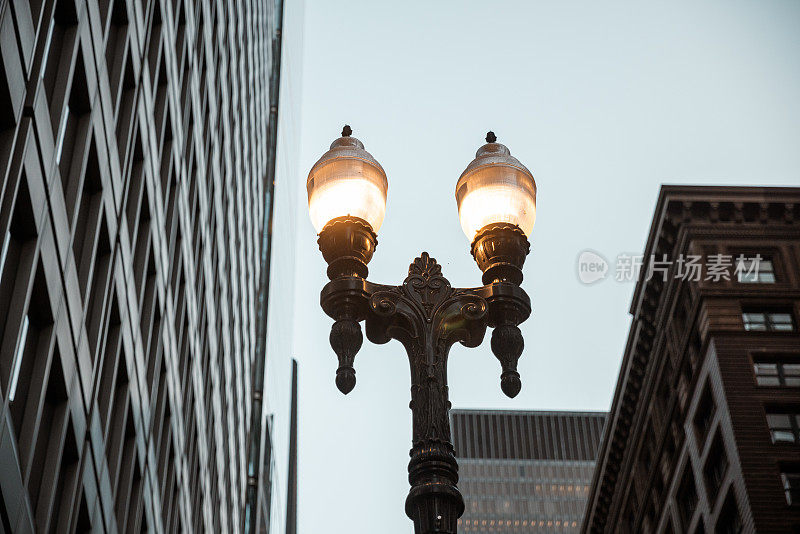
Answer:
(427, 316)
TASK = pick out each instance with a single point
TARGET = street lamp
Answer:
(496, 197)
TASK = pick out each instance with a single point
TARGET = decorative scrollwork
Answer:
(425, 285)
(382, 304)
(427, 315)
(474, 310)
(425, 266)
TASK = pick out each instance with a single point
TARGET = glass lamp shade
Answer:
(495, 188)
(347, 181)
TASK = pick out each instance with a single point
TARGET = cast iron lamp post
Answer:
(496, 197)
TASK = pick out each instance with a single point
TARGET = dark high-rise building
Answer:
(146, 203)
(525, 472)
(703, 434)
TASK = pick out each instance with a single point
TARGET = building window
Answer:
(704, 415)
(777, 374)
(755, 270)
(729, 521)
(686, 498)
(715, 468)
(768, 320)
(791, 486)
(784, 427)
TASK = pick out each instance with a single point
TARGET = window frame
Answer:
(792, 414)
(791, 491)
(780, 361)
(763, 259)
(768, 322)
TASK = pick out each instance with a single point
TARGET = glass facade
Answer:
(147, 199)
(271, 483)
(525, 472)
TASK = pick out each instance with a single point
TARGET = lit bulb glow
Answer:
(347, 187)
(496, 204)
(496, 195)
(357, 198)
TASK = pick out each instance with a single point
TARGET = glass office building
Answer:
(147, 155)
(525, 472)
(272, 455)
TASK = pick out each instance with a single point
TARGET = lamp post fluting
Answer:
(496, 196)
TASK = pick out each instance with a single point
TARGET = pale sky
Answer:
(603, 101)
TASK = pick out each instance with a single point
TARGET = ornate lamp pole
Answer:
(496, 198)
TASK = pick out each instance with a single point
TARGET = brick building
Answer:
(703, 433)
